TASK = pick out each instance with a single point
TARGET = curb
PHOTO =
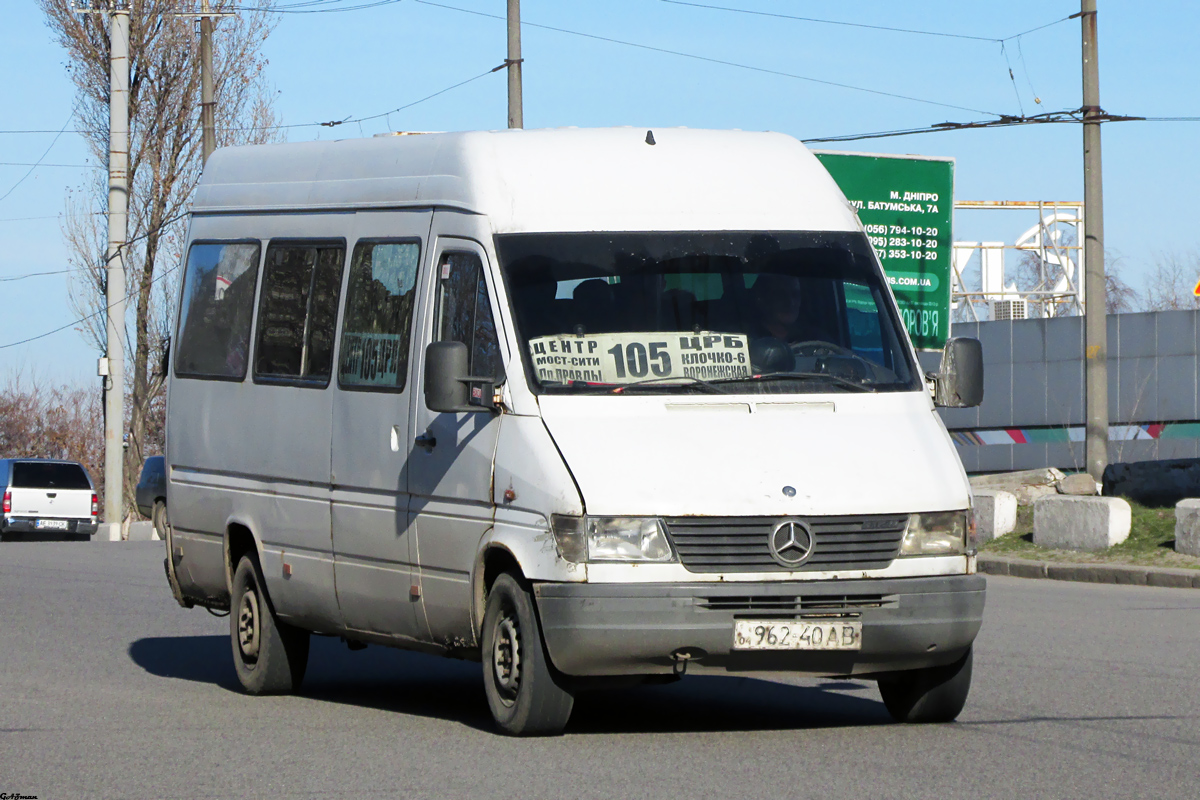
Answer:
(1127, 575)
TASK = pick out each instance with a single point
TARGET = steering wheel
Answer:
(844, 363)
(819, 347)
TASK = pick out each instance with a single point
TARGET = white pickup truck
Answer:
(44, 497)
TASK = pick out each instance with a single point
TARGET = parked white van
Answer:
(573, 403)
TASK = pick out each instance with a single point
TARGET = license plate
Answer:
(750, 634)
(52, 524)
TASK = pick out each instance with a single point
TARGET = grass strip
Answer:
(1151, 542)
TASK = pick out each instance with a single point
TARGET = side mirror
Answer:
(448, 387)
(959, 380)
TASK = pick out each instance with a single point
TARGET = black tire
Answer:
(936, 694)
(524, 691)
(270, 656)
(158, 518)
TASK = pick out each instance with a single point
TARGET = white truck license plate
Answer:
(52, 524)
(773, 634)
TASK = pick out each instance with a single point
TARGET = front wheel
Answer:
(270, 656)
(935, 694)
(525, 694)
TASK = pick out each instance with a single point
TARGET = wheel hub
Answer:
(248, 635)
(506, 658)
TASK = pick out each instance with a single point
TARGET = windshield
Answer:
(759, 312)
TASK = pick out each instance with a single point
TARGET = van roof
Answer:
(544, 180)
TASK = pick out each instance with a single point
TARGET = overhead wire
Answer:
(1037, 98)
(1012, 78)
(1001, 40)
(53, 142)
(40, 164)
(11, 278)
(1075, 116)
(127, 297)
(36, 131)
(944, 34)
(712, 60)
(310, 7)
(382, 114)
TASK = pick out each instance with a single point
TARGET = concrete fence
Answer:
(1033, 409)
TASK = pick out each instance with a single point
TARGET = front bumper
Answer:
(633, 629)
(81, 527)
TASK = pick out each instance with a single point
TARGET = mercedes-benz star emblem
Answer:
(791, 543)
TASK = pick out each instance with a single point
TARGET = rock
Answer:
(1028, 495)
(1012, 481)
(995, 513)
(1187, 527)
(1154, 483)
(1080, 523)
(1079, 484)
(1027, 485)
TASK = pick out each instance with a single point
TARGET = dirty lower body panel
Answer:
(854, 627)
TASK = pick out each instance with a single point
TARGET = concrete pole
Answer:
(207, 104)
(118, 205)
(516, 116)
(1095, 310)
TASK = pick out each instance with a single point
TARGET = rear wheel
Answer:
(158, 518)
(270, 656)
(524, 691)
(935, 694)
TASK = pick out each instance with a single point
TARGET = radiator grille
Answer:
(795, 604)
(740, 544)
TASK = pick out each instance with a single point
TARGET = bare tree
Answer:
(164, 167)
(1119, 296)
(1172, 284)
(43, 421)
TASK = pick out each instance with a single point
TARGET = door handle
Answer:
(426, 440)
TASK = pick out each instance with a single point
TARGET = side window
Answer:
(378, 320)
(464, 313)
(214, 316)
(296, 315)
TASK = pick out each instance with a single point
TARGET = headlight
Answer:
(583, 539)
(944, 533)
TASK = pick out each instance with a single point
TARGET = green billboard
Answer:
(906, 203)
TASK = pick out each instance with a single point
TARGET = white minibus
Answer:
(585, 406)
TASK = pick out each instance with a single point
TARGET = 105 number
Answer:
(640, 362)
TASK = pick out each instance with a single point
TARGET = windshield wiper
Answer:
(621, 388)
(688, 380)
(802, 376)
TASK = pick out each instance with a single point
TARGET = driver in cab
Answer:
(784, 339)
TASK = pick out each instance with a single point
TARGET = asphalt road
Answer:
(108, 689)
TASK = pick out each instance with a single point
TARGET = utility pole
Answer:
(1095, 308)
(118, 206)
(516, 117)
(207, 104)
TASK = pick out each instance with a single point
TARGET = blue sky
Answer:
(358, 63)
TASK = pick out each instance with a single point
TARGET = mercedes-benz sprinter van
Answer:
(572, 403)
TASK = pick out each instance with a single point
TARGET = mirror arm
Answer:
(494, 407)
